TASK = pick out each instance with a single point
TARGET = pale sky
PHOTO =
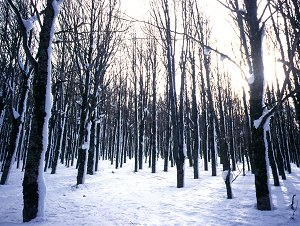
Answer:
(135, 8)
(139, 9)
(222, 34)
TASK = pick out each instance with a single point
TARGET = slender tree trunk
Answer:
(15, 133)
(154, 129)
(195, 132)
(272, 161)
(92, 149)
(223, 144)
(204, 126)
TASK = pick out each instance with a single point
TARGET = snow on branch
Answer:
(28, 24)
(15, 113)
(263, 119)
(24, 33)
(250, 78)
(268, 113)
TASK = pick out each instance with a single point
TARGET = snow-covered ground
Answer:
(122, 197)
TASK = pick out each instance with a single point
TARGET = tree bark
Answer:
(33, 185)
(256, 108)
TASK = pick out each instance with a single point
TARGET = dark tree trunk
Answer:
(10, 150)
(277, 151)
(57, 152)
(33, 187)
(272, 160)
(141, 130)
(256, 108)
(92, 149)
(153, 134)
(167, 139)
(118, 131)
(231, 135)
(17, 125)
(49, 147)
(247, 132)
(136, 133)
(223, 144)
(195, 132)
(283, 140)
(99, 133)
(64, 144)
(211, 124)
(188, 131)
(204, 127)
(82, 151)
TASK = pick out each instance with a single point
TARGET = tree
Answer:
(96, 39)
(33, 184)
(252, 30)
(256, 107)
(163, 22)
(17, 107)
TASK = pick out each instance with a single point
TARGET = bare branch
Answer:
(23, 33)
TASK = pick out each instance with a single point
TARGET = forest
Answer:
(83, 82)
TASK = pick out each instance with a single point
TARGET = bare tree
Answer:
(256, 109)
(33, 184)
(163, 22)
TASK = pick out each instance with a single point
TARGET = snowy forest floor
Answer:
(122, 197)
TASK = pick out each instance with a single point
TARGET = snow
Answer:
(2, 117)
(250, 79)
(122, 197)
(223, 57)
(26, 96)
(15, 113)
(267, 129)
(22, 66)
(224, 175)
(206, 50)
(258, 121)
(29, 23)
(184, 147)
(86, 144)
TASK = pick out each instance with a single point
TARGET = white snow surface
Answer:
(122, 197)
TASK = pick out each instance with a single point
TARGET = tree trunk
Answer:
(33, 184)
(223, 144)
(92, 149)
(256, 108)
(154, 129)
(195, 132)
(272, 160)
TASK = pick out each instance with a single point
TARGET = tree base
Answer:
(180, 174)
(263, 203)
(30, 198)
